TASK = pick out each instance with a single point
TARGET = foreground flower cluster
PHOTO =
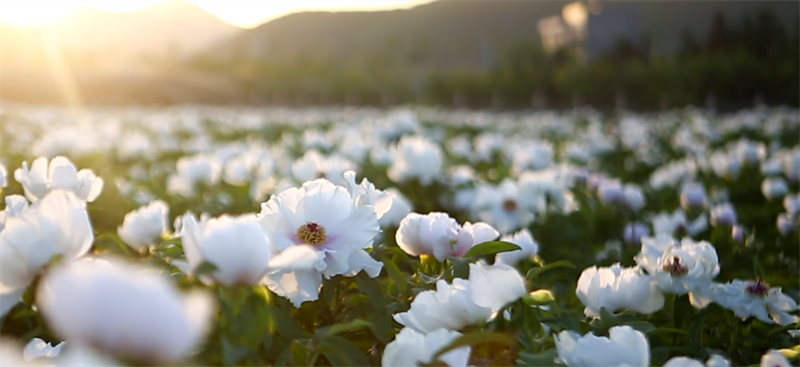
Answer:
(204, 236)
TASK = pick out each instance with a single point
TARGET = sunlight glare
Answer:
(25, 13)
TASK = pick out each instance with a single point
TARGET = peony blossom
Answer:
(464, 302)
(528, 248)
(680, 268)
(757, 299)
(624, 346)
(693, 196)
(416, 158)
(504, 207)
(326, 217)
(494, 286)
(61, 174)
(143, 226)
(56, 225)
(38, 348)
(774, 358)
(239, 248)
(123, 309)
(450, 307)
(3, 176)
(440, 236)
(723, 215)
(616, 288)
(683, 362)
(401, 206)
(774, 188)
(410, 348)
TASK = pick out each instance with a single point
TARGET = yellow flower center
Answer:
(312, 234)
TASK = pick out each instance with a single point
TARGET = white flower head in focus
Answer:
(324, 216)
(624, 347)
(410, 347)
(680, 268)
(616, 288)
(438, 235)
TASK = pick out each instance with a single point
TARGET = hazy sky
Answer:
(241, 13)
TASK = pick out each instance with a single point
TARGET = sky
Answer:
(241, 13)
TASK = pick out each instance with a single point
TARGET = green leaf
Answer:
(373, 290)
(343, 352)
(476, 338)
(491, 248)
(299, 353)
(342, 327)
(546, 358)
(232, 353)
(535, 272)
(205, 268)
(396, 275)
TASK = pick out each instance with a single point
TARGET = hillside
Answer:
(468, 33)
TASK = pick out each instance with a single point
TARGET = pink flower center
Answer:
(758, 288)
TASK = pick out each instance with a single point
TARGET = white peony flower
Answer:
(56, 225)
(683, 362)
(62, 174)
(3, 176)
(439, 235)
(610, 192)
(528, 248)
(450, 307)
(366, 194)
(15, 204)
(416, 158)
(325, 216)
(38, 348)
(143, 226)
(792, 205)
(774, 188)
(401, 206)
(239, 248)
(717, 360)
(634, 198)
(504, 206)
(714, 361)
(680, 268)
(757, 299)
(616, 288)
(633, 232)
(723, 215)
(623, 347)
(494, 286)
(693, 195)
(123, 309)
(410, 348)
(192, 171)
(773, 358)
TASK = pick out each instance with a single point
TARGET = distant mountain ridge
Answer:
(466, 33)
(177, 27)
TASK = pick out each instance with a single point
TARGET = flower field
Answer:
(417, 237)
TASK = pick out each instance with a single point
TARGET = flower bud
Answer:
(785, 224)
(723, 215)
(693, 196)
(774, 188)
